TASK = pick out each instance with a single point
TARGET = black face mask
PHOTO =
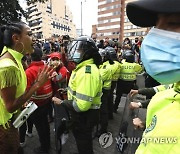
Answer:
(136, 41)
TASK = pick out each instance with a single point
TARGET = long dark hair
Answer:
(7, 31)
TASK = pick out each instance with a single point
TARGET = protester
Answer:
(15, 42)
(94, 37)
(161, 58)
(42, 98)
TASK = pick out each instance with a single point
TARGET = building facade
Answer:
(51, 19)
(108, 19)
(131, 31)
(113, 22)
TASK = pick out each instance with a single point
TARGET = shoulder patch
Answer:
(88, 69)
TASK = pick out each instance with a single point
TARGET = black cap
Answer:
(144, 13)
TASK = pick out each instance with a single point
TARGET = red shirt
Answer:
(69, 64)
(44, 93)
(60, 81)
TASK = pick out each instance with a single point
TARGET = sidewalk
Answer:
(70, 146)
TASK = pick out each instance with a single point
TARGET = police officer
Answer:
(106, 75)
(161, 58)
(84, 92)
(116, 68)
(127, 79)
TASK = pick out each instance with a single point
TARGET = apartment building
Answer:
(131, 30)
(51, 19)
(113, 21)
(109, 19)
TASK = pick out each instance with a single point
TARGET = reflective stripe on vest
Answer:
(93, 106)
(82, 96)
(128, 76)
(41, 97)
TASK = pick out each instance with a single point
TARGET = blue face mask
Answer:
(76, 57)
(160, 54)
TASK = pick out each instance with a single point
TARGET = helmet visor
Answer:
(74, 47)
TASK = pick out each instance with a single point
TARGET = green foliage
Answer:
(10, 10)
(34, 1)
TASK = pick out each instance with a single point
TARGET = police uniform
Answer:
(127, 80)
(159, 137)
(106, 75)
(85, 90)
(116, 68)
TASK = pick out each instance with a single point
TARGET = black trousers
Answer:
(111, 99)
(123, 87)
(83, 124)
(104, 111)
(40, 120)
(22, 130)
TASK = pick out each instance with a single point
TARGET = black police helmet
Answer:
(112, 52)
(129, 56)
(83, 45)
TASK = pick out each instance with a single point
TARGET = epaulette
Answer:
(88, 69)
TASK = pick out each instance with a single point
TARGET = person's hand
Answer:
(53, 75)
(57, 101)
(134, 105)
(133, 92)
(24, 105)
(44, 75)
(138, 123)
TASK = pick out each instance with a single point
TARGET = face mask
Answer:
(160, 54)
(77, 57)
(55, 63)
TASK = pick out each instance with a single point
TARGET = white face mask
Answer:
(160, 54)
(55, 63)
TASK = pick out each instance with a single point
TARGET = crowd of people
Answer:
(91, 71)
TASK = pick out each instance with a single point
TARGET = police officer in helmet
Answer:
(84, 92)
(116, 68)
(127, 78)
(129, 56)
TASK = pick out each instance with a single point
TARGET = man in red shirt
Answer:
(42, 98)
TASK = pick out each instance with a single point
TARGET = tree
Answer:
(34, 1)
(10, 10)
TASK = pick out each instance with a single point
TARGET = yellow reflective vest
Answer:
(106, 74)
(116, 70)
(85, 86)
(162, 133)
(163, 87)
(129, 71)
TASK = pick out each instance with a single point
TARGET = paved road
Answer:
(70, 146)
